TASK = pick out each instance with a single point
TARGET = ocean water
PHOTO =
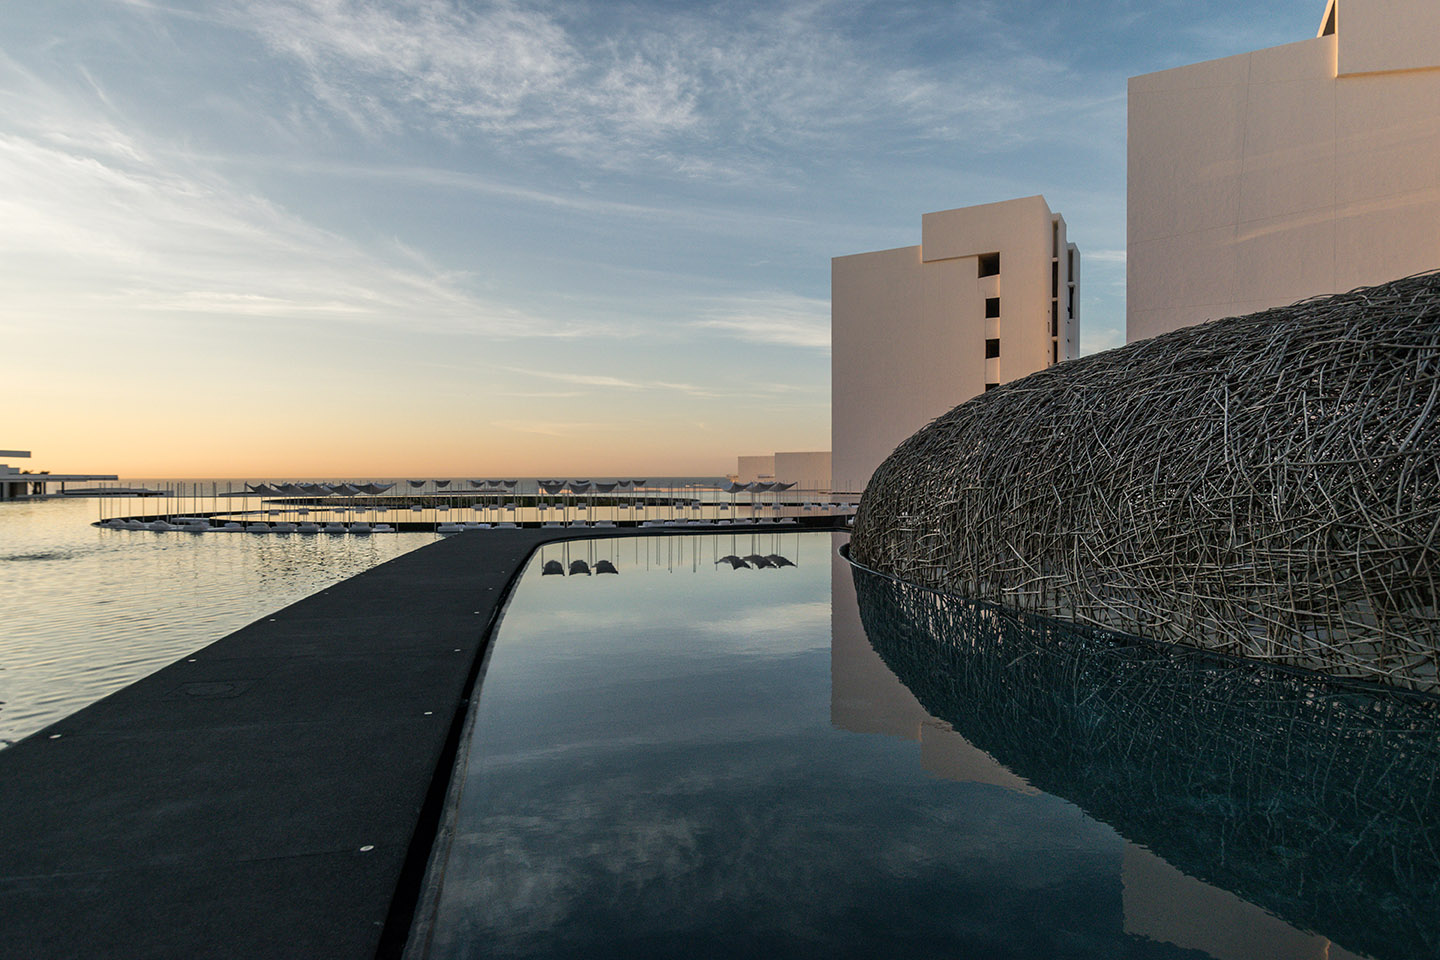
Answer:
(85, 611)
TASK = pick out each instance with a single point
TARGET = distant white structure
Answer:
(991, 294)
(1306, 169)
(808, 470)
(752, 469)
(14, 483)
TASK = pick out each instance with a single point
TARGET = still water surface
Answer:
(84, 611)
(690, 759)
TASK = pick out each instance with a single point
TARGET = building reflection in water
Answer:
(1258, 813)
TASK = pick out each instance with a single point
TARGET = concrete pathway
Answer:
(274, 794)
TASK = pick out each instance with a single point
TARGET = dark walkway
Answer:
(260, 797)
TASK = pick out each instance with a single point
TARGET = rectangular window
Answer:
(1055, 278)
(989, 264)
(990, 386)
(1054, 351)
(992, 348)
(1054, 319)
(992, 307)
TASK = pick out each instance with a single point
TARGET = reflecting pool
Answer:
(694, 757)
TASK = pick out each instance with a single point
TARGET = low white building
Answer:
(1305, 169)
(752, 469)
(990, 294)
(808, 470)
(16, 483)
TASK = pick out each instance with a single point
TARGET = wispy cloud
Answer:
(698, 93)
(553, 428)
(1102, 338)
(97, 220)
(697, 390)
(607, 382)
(783, 319)
(584, 379)
(539, 394)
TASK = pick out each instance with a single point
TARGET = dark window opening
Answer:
(990, 386)
(1055, 235)
(1054, 351)
(1054, 320)
(992, 347)
(1071, 309)
(1054, 278)
(989, 264)
(992, 307)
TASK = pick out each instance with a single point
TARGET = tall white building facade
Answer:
(990, 294)
(1264, 178)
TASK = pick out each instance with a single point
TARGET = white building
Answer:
(808, 470)
(17, 483)
(1306, 169)
(757, 468)
(990, 294)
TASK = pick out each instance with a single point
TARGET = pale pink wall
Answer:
(1264, 178)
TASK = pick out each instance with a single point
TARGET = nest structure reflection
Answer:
(1317, 800)
(1267, 486)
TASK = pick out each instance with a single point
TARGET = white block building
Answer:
(808, 470)
(991, 294)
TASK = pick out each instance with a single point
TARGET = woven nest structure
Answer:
(1266, 486)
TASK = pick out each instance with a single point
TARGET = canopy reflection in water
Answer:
(1314, 800)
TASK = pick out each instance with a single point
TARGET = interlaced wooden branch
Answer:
(1267, 486)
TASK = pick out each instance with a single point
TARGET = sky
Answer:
(353, 238)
